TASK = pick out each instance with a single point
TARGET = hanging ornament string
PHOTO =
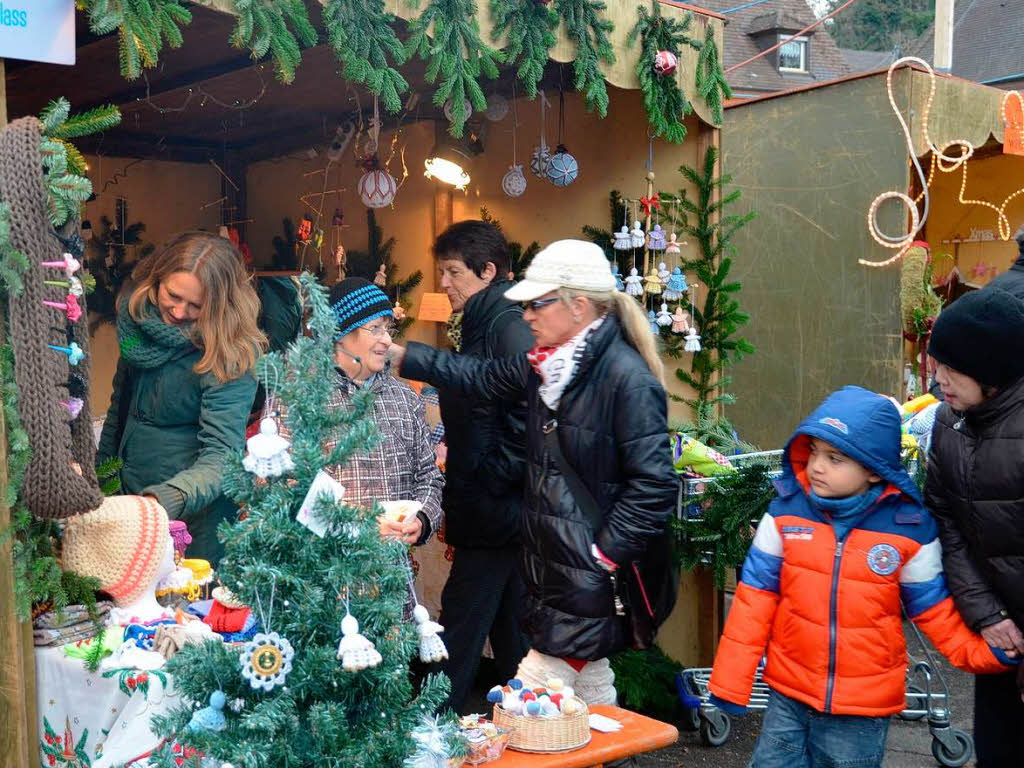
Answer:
(561, 116)
(515, 121)
(264, 618)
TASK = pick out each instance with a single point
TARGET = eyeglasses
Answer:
(540, 303)
(376, 331)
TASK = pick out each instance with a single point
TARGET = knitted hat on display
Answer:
(121, 544)
(573, 264)
(981, 334)
(355, 302)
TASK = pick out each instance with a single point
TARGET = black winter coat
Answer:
(1012, 280)
(612, 423)
(975, 489)
(486, 463)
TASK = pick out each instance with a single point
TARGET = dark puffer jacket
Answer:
(486, 464)
(612, 422)
(975, 490)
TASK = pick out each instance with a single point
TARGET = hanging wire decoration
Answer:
(197, 91)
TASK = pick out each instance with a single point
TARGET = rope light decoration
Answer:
(941, 159)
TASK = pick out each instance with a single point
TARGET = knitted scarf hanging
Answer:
(150, 342)
(61, 478)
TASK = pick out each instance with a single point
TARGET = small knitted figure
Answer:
(673, 246)
(692, 340)
(663, 273)
(680, 321)
(652, 283)
(355, 651)
(623, 242)
(634, 283)
(653, 321)
(656, 239)
(619, 285)
(636, 236)
(664, 318)
(432, 647)
(210, 718)
(268, 452)
(676, 285)
(381, 278)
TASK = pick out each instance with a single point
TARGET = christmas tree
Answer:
(309, 710)
(367, 263)
(519, 258)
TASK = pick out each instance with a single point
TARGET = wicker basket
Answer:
(545, 734)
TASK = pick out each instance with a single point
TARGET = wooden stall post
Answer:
(443, 218)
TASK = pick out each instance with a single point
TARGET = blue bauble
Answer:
(562, 168)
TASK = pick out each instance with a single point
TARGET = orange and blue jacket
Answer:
(828, 607)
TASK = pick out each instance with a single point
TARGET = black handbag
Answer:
(646, 588)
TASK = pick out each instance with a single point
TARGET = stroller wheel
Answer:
(715, 726)
(915, 700)
(959, 754)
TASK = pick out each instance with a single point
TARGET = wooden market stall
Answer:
(210, 138)
(811, 161)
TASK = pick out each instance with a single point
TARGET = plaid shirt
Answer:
(402, 465)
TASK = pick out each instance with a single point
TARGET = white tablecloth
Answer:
(96, 719)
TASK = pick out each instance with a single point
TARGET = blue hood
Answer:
(863, 425)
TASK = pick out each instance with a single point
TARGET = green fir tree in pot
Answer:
(313, 707)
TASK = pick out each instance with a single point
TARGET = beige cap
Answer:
(574, 264)
(121, 543)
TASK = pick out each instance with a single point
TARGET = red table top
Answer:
(639, 734)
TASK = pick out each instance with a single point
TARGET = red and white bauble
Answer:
(665, 63)
(377, 188)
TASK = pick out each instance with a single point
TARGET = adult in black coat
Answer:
(975, 489)
(594, 378)
(485, 466)
(1012, 280)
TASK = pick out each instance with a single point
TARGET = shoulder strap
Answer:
(580, 493)
(494, 321)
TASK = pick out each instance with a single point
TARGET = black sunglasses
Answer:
(540, 303)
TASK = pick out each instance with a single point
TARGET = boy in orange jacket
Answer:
(845, 542)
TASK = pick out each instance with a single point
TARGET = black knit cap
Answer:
(981, 334)
(356, 301)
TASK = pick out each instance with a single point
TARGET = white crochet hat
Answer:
(574, 264)
(121, 543)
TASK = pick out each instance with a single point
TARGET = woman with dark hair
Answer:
(975, 490)
(188, 335)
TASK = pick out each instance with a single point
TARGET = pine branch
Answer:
(457, 58)
(666, 105)
(278, 27)
(711, 83)
(529, 31)
(144, 27)
(589, 31)
(362, 35)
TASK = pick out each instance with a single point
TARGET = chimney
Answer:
(942, 56)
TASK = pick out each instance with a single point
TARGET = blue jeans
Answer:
(796, 736)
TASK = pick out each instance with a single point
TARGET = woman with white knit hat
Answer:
(594, 383)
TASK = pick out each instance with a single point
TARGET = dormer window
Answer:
(793, 54)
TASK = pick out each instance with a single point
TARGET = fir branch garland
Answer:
(278, 27)
(711, 83)
(589, 31)
(457, 57)
(666, 105)
(364, 40)
(143, 28)
(529, 30)
(729, 509)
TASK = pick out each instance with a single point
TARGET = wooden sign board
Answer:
(435, 307)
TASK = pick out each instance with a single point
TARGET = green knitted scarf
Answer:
(151, 342)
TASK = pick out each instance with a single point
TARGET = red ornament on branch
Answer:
(665, 63)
